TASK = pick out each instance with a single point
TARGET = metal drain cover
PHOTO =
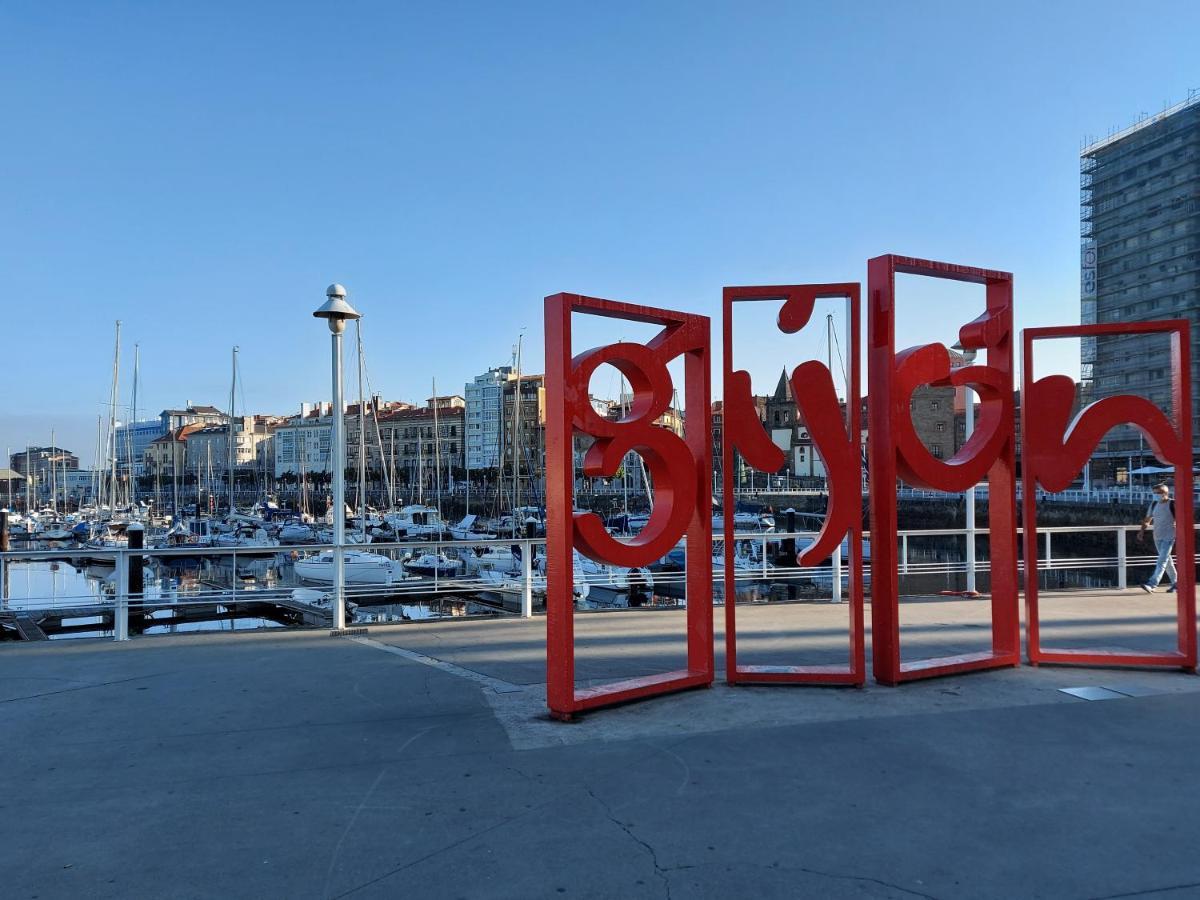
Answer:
(1093, 693)
(1134, 690)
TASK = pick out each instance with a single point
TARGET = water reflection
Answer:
(194, 593)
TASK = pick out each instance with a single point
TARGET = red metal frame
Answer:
(839, 443)
(896, 453)
(1054, 451)
(681, 469)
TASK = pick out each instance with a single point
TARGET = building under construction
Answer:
(1140, 244)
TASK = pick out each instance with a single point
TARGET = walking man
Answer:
(1161, 515)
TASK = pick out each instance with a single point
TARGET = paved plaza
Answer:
(419, 761)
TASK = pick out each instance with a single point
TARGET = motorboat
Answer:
(507, 589)
(496, 559)
(431, 565)
(298, 533)
(247, 537)
(417, 521)
(53, 530)
(620, 587)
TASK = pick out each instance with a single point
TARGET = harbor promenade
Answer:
(418, 761)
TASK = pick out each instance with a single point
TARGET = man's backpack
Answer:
(1150, 511)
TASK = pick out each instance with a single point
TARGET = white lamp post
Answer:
(969, 429)
(336, 311)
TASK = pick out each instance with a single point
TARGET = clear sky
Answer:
(202, 171)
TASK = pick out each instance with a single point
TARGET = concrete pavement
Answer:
(295, 764)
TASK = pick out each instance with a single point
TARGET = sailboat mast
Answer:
(303, 449)
(362, 440)
(392, 481)
(53, 482)
(437, 451)
(112, 421)
(131, 427)
(232, 445)
(516, 439)
(96, 476)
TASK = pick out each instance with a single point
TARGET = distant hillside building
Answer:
(36, 461)
(302, 444)
(208, 445)
(412, 449)
(171, 419)
(167, 455)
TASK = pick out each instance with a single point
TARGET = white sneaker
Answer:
(1147, 589)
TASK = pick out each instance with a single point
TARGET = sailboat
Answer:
(360, 567)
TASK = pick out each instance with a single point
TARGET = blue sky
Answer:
(203, 170)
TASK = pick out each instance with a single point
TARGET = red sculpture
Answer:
(836, 436)
(680, 469)
(1054, 451)
(896, 453)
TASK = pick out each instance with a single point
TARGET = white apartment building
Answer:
(303, 444)
(484, 414)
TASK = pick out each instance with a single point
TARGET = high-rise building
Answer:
(1140, 260)
(485, 418)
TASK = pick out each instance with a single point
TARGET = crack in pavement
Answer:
(85, 687)
(866, 878)
(658, 870)
(440, 850)
(1148, 891)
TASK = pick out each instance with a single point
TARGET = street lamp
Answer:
(336, 311)
(968, 356)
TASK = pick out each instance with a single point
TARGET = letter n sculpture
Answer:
(680, 469)
(1054, 450)
(897, 453)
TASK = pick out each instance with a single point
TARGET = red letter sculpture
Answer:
(837, 439)
(1054, 451)
(680, 468)
(896, 452)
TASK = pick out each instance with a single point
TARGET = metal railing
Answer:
(756, 556)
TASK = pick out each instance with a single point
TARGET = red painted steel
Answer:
(836, 437)
(896, 452)
(1054, 451)
(680, 468)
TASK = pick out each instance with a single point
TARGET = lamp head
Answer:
(336, 311)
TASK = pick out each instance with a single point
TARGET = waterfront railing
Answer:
(249, 582)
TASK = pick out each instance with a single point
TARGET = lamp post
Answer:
(336, 311)
(968, 356)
